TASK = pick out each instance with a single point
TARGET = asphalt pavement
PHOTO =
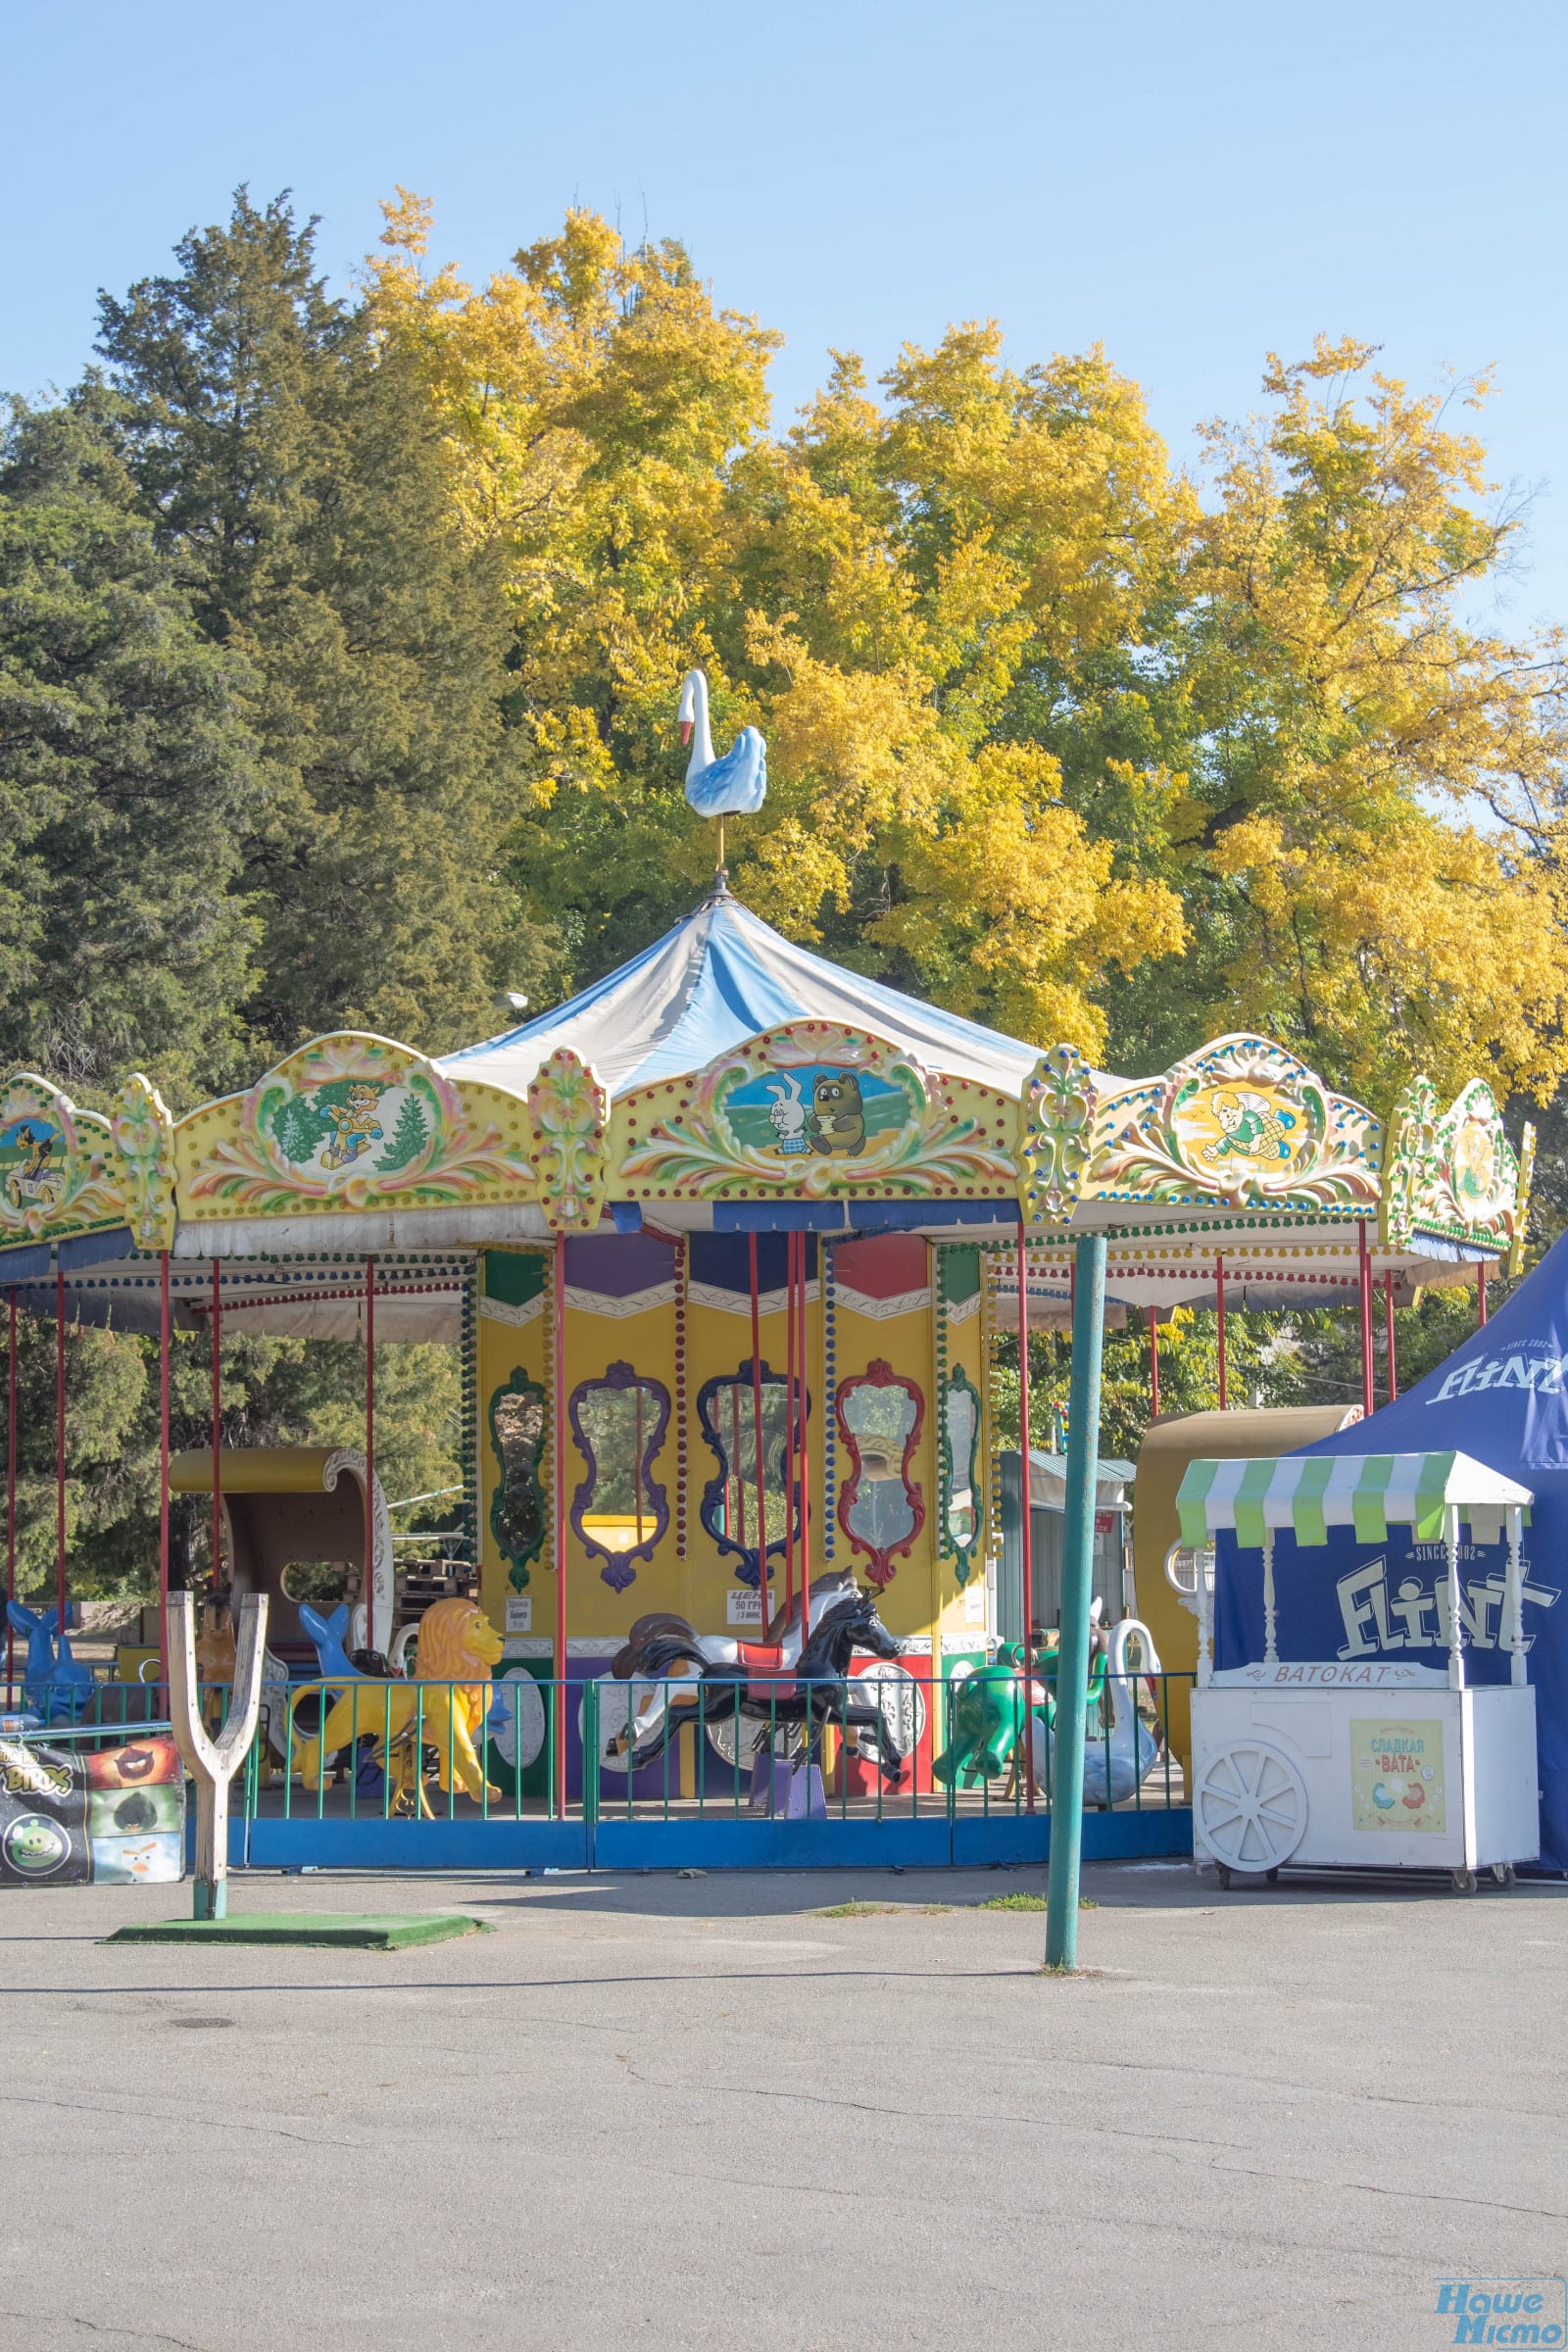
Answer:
(661, 2111)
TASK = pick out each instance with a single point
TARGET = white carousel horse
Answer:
(1115, 1765)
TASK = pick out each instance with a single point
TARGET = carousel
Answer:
(727, 1245)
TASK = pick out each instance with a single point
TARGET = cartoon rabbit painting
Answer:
(788, 1113)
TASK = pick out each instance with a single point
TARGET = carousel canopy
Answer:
(727, 1082)
(715, 981)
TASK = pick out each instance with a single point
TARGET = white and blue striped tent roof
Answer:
(715, 980)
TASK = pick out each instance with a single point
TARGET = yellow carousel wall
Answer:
(899, 1317)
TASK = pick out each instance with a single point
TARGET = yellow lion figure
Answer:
(456, 1649)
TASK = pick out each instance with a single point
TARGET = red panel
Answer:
(883, 1265)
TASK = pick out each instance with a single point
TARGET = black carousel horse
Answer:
(777, 1684)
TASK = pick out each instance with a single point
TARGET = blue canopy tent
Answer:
(1503, 1398)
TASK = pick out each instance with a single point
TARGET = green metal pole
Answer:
(1077, 1578)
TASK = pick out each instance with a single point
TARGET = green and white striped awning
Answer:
(1312, 1492)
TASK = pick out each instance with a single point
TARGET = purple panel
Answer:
(618, 1265)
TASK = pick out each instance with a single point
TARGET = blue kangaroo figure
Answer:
(53, 1683)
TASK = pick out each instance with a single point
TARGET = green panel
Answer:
(365, 1931)
(514, 1277)
(1306, 1507)
(958, 1272)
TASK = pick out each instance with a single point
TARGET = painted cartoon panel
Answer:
(59, 1171)
(354, 1122)
(813, 1107)
(1243, 1122)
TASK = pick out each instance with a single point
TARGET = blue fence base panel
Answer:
(965, 1841)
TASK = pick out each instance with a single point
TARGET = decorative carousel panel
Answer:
(1242, 1123)
(570, 1117)
(1057, 1135)
(143, 1134)
(1455, 1173)
(60, 1173)
(358, 1123)
(814, 1109)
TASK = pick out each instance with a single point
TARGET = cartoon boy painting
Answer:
(1254, 1128)
(355, 1125)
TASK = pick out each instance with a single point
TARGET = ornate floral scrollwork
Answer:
(570, 1116)
(143, 1134)
(1411, 1162)
(1057, 1135)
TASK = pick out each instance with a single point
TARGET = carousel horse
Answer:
(444, 1707)
(1115, 1762)
(781, 1683)
(987, 1710)
(53, 1683)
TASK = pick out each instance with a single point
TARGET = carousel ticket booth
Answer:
(733, 1247)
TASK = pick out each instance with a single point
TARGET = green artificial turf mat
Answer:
(359, 1931)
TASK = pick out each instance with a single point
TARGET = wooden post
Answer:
(212, 1763)
(1219, 1310)
(1154, 1363)
(1387, 1323)
(1481, 1295)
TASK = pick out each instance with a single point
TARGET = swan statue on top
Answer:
(737, 784)
(1115, 1764)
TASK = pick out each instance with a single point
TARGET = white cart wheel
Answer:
(1249, 1806)
(1503, 1873)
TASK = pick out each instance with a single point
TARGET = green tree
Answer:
(126, 773)
(286, 453)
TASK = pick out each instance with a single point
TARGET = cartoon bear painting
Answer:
(836, 1120)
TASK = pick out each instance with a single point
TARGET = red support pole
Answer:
(1388, 1324)
(370, 1455)
(11, 1499)
(1154, 1363)
(1219, 1281)
(789, 1241)
(1028, 1759)
(1481, 1295)
(559, 1464)
(757, 1441)
(60, 1446)
(218, 1426)
(1369, 1398)
(163, 1471)
(804, 1359)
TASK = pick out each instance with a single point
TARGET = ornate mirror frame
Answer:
(749, 1570)
(523, 1550)
(880, 1374)
(955, 1475)
(619, 1571)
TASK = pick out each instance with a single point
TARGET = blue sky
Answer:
(1190, 183)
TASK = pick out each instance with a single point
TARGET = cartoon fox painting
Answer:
(356, 1126)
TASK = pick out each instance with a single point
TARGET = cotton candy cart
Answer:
(1355, 1761)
